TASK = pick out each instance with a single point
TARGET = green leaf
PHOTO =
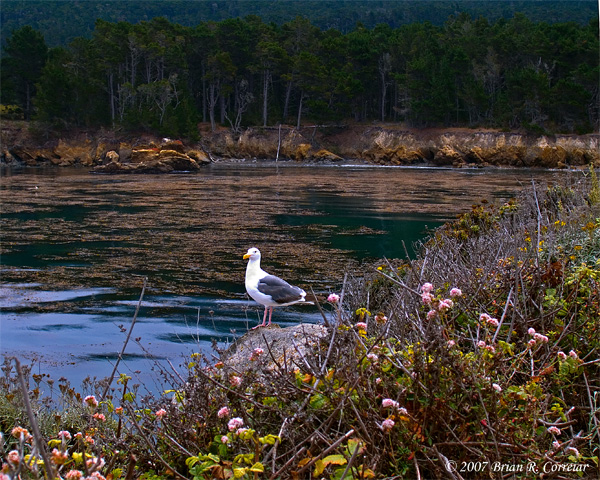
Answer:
(319, 467)
(318, 401)
(239, 472)
(269, 439)
(257, 467)
(335, 460)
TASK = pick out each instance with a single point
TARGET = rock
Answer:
(71, 153)
(175, 145)
(326, 155)
(144, 155)
(285, 345)
(199, 156)
(301, 151)
(448, 156)
(111, 157)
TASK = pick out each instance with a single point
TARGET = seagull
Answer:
(269, 290)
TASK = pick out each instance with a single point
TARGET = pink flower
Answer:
(554, 430)
(119, 410)
(225, 439)
(455, 292)
(361, 325)
(555, 445)
(372, 357)
(481, 344)
(490, 348)
(65, 435)
(574, 451)
(74, 475)
(13, 457)
(531, 342)
(493, 322)
(240, 431)
(389, 403)
(91, 401)
(445, 305)
(58, 457)
(95, 463)
(451, 343)
(403, 411)
(431, 314)
(387, 424)
(573, 354)
(540, 338)
(90, 440)
(497, 387)
(333, 298)
(160, 413)
(531, 331)
(235, 423)
(378, 380)
(562, 355)
(223, 412)
(427, 298)
(257, 352)
(99, 416)
(21, 433)
(484, 318)
(97, 476)
(427, 287)
(235, 381)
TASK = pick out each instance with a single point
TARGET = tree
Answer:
(27, 53)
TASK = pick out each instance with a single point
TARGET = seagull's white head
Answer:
(253, 254)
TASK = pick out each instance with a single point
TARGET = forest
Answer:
(164, 77)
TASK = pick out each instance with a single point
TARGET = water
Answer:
(76, 246)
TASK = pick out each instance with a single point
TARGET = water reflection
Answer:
(74, 249)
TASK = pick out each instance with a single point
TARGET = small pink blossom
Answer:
(555, 445)
(573, 354)
(445, 305)
(333, 298)
(59, 457)
(95, 463)
(481, 344)
(484, 318)
(427, 287)
(119, 410)
(403, 411)
(531, 342)
(241, 431)
(225, 439)
(235, 423)
(451, 343)
(74, 475)
(431, 314)
(554, 430)
(160, 413)
(389, 403)
(562, 355)
(373, 357)
(497, 387)
(65, 435)
(378, 380)
(97, 476)
(573, 450)
(257, 352)
(427, 298)
(538, 337)
(235, 381)
(493, 322)
(21, 433)
(13, 457)
(91, 401)
(531, 331)
(90, 440)
(99, 416)
(361, 325)
(490, 348)
(387, 424)
(456, 292)
(223, 412)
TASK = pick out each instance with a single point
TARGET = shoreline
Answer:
(109, 151)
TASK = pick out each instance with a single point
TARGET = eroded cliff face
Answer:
(105, 151)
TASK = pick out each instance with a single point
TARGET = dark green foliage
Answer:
(165, 77)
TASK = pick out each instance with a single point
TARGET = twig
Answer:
(398, 282)
(319, 307)
(150, 445)
(48, 469)
(352, 458)
(503, 315)
(333, 446)
(112, 375)
(288, 463)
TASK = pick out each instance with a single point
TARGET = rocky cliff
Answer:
(109, 152)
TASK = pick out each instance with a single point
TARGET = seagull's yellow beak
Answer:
(246, 257)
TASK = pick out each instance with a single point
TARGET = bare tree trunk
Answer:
(300, 109)
(286, 104)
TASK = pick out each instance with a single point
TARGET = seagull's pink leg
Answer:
(270, 314)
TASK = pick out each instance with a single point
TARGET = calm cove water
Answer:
(76, 246)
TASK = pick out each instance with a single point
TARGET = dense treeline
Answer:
(63, 20)
(166, 77)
